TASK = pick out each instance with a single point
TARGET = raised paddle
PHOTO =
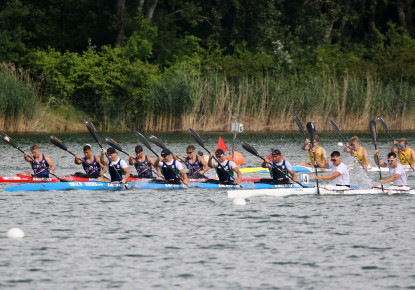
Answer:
(336, 128)
(382, 122)
(11, 142)
(201, 143)
(300, 125)
(94, 134)
(312, 134)
(59, 143)
(114, 144)
(374, 134)
(145, 142)
(161, 144)
(251, 149)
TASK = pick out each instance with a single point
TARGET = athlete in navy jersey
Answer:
(143, 164)
(225, 170)
(196, 165)
(279, 169)
(41, 164)
(91, 164)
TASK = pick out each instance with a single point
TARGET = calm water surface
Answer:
(197, 239)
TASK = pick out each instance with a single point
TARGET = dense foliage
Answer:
(135, 64)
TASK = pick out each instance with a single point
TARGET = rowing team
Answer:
(340, 171)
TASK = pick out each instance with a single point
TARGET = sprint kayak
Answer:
(136, 185)
(328, 190)
(305, 169)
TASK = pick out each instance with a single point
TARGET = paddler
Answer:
(171, 169)
(320, 152)
(279, 169)
(117, 168)
(340, 175)
(358, 151)
(226, 171)
(405, 153)
(91, 164)
(42, 165)
(143, 163)
(197, 166)
(397, 171)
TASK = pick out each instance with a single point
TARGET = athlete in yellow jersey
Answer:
(404, 151)
(358, 151)
(320, 153)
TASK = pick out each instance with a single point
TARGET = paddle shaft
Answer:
(312, 134)
(282, 172)
(161, 144)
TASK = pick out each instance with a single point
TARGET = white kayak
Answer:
(298, 168)
(326, 190)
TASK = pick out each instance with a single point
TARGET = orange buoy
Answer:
(237, 158)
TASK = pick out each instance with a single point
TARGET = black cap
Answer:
(219, 152)
(111, 150)
(276, 152)
(165, 152)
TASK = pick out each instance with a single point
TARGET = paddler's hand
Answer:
(376, 152)
(131, 156)
(383, 181)
(103, 151)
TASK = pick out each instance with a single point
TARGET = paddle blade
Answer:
(143, 140)
(157, 141)
(197, 138)
(248, 147)
(382, 122)
(311, 132)
(299, 124)
(7, 139)
(113, 144)
(57, 142)
(93, 131)
(373, 131)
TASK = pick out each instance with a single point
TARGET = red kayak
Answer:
(22, 178)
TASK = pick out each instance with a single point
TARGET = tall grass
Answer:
(18, 99)
(210, 102)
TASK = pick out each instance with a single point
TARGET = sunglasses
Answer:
(218, 155)
(401, 145)
(391, 160)
(189, 152)
(164, 155)
(334, 159)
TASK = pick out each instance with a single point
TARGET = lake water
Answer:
(197, 238)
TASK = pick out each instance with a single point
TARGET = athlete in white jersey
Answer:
(396, 170)
(340, 171)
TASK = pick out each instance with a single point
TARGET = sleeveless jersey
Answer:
(318, 155)
(276, 174)
(194, 167)
(222, 175)
(143, 168)
(91, 168)
(39, 167)
(170, 175)
(360, 155)
(113, 169)
(408, 156)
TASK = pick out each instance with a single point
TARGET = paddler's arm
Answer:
(265, 163)
(131, 160)
(329, 177)
(366, 156)
(185, 179)
(78, 160)
(239, 174)
(321, 164)
(153, 163)
(205, 166)
(52, 166)
(381, 163)
(394, 147)
(306, 145)
(103, 167)
(413, 158)
(102, 157)
(390, 179)
(157, 162)
(27, 157)
(324, 154)
(293, 175)
(127, 175)
(210, 161)
(347, 148)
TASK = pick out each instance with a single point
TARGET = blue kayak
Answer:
(137, 185)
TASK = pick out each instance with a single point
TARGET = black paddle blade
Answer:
(143, 140)
(382, 122)
(248, 147)
(336, 128)
(93, 131)
(196, 137)
(57, 142)
(7, 139)
(311, 132)
(113, 144)
(299, 124)
(373, 131)
(157, 141)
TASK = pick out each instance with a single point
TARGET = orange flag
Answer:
(221, 145)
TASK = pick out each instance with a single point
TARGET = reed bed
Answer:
(211, 103)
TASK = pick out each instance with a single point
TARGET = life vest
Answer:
(194, 167)
(170, 174)
(143, 168)
(318, 155)
(116, 172)
(408, 156)
(39, 167)
(225, 173)
(275, 172)
(91, 168)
